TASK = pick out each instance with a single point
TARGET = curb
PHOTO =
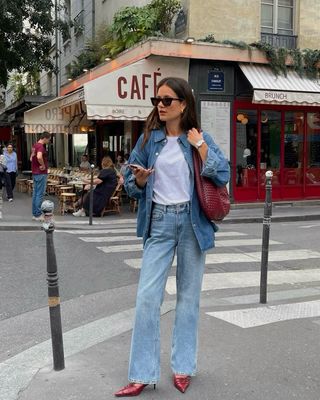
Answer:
(235, 220)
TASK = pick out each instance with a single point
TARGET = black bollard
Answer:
(53, 288)
(91, 195)
(265, 238)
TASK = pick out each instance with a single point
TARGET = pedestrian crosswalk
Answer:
(234, 249)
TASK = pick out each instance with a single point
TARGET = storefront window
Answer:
(313, 149)
(270, 145)
(80, 147)
(246, 146)
(293, 148)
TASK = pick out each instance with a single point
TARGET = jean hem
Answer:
(145, 382)
(184, 373)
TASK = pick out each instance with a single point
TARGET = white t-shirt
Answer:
(171, 175)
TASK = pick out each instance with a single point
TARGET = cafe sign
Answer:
(125, 93)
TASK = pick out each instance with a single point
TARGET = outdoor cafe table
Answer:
(27, 172)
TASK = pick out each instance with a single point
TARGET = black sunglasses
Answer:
(166, 101)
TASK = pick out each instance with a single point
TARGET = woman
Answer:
(106, 183)
(160, 175)
(12, 164)
(4, 176)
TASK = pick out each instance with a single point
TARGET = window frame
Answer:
(275, 16)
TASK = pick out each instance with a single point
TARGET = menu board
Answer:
(215, 120)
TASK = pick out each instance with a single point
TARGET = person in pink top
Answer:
(39, 166)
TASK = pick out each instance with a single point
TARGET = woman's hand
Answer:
(141, 174)
(194, 136)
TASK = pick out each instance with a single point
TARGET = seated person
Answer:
(106, 183)
(84, 165)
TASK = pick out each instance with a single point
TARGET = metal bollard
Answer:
(91, 195)
(53, 288)
(265, 238)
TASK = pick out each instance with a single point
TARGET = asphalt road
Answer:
(96, 284)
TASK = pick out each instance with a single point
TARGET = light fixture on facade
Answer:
(189, 40)
(243, 118)
(70, 79)
(107, 59)
(85, 70)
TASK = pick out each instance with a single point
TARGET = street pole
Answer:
(91, 195)
(56, 35)
(265, 238)
(53, 288)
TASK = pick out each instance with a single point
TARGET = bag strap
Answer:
(197, 162)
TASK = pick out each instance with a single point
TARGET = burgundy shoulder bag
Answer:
(214, 200)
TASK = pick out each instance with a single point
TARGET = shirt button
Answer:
(157, 154)
(194, 225)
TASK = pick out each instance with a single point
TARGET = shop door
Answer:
(269, 139)
(312, 155)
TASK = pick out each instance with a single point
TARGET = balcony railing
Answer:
(78, 23)
(286, 41)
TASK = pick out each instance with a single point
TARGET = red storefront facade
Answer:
(284, 139)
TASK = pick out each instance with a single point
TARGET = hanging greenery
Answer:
(311, 60)
(133, 24)
(130, 25)
(304, 62)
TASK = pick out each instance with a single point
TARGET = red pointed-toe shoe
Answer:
(133, 389)
(181, 382)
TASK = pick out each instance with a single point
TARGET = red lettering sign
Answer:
(135, 88)
(139, 85)
(122, 93)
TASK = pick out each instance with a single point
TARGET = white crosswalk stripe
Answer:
(232, 248)
(138, 247)
(252, 317)
(231, 280)
(249, 257)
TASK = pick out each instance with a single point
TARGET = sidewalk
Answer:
(17, 215)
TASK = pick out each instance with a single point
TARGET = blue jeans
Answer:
(171, 231)
(39, 188)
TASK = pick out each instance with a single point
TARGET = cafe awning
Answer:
(124, 94)
(282, 90)
(65, 114)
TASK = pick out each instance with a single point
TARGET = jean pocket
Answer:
(157, 215)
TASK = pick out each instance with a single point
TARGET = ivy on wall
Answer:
(304, 61)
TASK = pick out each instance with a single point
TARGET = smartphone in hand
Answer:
(134, 167)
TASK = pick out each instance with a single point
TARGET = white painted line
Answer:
(232, 280)
(99, 231)
(222, 258)
(310, 226)
(226, 234)
(242, 242)
(121, 248)
(221, 243)
(84, 221)
(251, 317)
(109, 239)
(273, 296)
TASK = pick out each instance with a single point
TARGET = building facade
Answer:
(259, 120)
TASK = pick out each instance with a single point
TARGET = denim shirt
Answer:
(216, 167)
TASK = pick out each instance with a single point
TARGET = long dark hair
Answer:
(189, 116)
